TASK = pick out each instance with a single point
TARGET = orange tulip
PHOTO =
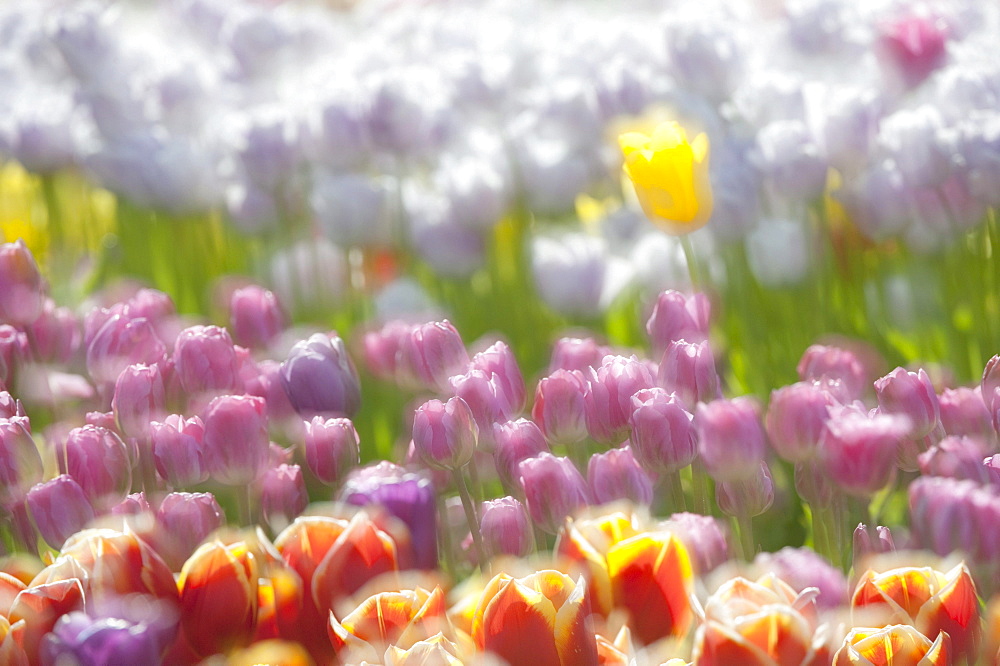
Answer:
(434, 651)
(763, 623)
(218, 597)
(541, 619)
(40, 606)
(895, 645)
(389, 618)
(10, 587)
(271, 652)
(11, 639)
(930, 600)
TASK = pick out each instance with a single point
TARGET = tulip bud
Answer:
(909, 394)
(265, 382)
(218, 596)
(236, 440)
(332, 447)
(580, 354)
(506, 528)
(803, 568)
(730, 438)
(484, 395)
(676, 317)
(608, 399)
(559, 408)
(445, 434)
(515, 441)
(135, 504)
(991, 379)
(320, 378)
(206, 361)
(813, 484)
(40, 606)
(98, 460)
(78, 638)
(59, 508)
(859, 453)
(688, 369)
(913, 46)
(183, 521)
(663, 436)
(553, 489)
(382, 348)
(139, 398)
(283, 495)
(10, 406)
(20, 462)
(119, 343)
(22, 295)
(956, 458)
(615, 475)
(747, 496)
(868, 542)
(178, 452)
(56, 334)
(821, 363)
(705, 537)
(499, 363)
(795, 420)
(963, 412)
(909, 646)
(14, 351)
(431, 354)
(255, 317)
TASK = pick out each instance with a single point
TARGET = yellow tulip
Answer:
(670, 175)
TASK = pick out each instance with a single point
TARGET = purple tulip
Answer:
(912, 46)
(871, 541)
(382, 348)
(688, 369)
(678, 317)
(10, 406)
(484, 395)
(98, 460)
(821, 363)
(21, 297)
(909, 394)
(59, 508)
(553, 489)
(498, 361)
(949, 514)
(802, 568)
(581, 354)
(609, 397)
(445, 434)
(20, 461)
(432, 353)
(255, 317)
(730, 438)
(283, 495)
(14, 351)
(178, 452)
(963, 412)
(748, 496)
(184, 521)
(859, 453)
(139, 398)
(956, 458)
(319, 378)
(663, 435)
(267, 383)
(135, 504)
(515, 441)
(408, 496)
(615, 475)
(705, 537)
(332, 447)
(78, 638)
(206, 361)
(796, 416)
(236, 439)
(560, 408)
(56, 334)
(119, 343)
(505, 528)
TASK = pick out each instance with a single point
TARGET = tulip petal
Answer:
(518, 625)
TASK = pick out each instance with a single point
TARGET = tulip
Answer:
(484, 395)
(139, 398)
(332, 447)
(763, 623)
(663, 436)
(540, 619)
(909, 394)
(23, 289)
(183, 521)
(235, 443)
(676, 317)
(218, 597)
(957, 458)
(98, 461)
(120, 342)
(559, 406)
(14, 351)
(56, 334)
(498, 361)
(823, 363)
(20, 461)
(432, 353)
(434, 650)
(283, 495)
(320, 378)
(615, 475)
(11, 642)
(387, 619)
(382, 348)
(553, 489)
(206, 360)
(892, 645)
(178, 451)
(706, 539)
(688, 369)
(445, 434)
(748, 496)
(81, 639)
(40, 607)
(408, 496)
(949, 514)
(255, 317)
(608, 400)
(265, 382)
(802, 568)
(913, 46)
(859, 453)
(59, 507)
(730, 438)
(930, 600)
(10, 406)
(515, 441)
(670, 175)
(796, 416)
(506, 528)
(868, 542)
(580, 354)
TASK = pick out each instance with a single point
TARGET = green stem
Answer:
(677, 502)
(746, 546)
(702, 493)
(444, 532)
(697, 281)
(472, 518)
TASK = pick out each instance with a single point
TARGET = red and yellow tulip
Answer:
(895, 645)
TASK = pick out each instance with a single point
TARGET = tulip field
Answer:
(525, 332)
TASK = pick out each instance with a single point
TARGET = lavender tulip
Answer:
(319, 378)
(178, 451)
(140, 397)
(688, 369)
(559, 408)
(676, 317)
(432, 353)
(663, 436)
(255, 317)
(236, 440)
(59, 508)
(20, 461)
(21, 298)
(515, 441)
(445, 434)
(609, 397)
(505, 528)
(206, 361)
(615, 475)
(796, 416)
(283, 495)
(706, 538)
(98, 460)
(184, 521)
(909, 394)
(553, 489)
(730, 438)
(332, 448)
